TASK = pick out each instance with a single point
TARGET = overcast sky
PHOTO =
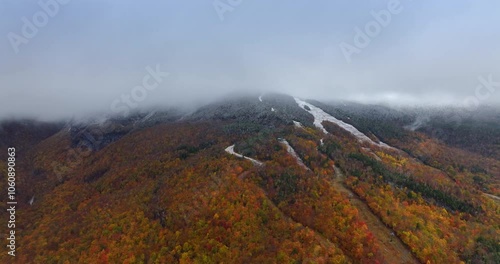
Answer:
(85, 55)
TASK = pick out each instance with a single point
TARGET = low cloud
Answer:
(91, 53)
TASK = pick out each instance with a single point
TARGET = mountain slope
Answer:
(161, 188)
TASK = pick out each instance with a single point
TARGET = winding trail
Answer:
(230, 150)
(391, 247)
(496, 198)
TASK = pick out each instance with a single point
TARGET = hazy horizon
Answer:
(62, 59)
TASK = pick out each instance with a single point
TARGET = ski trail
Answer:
(292, 152)
(496, 198)
(297, 124)
(320, 116)
(260, 98)
(230, 150)
(395, 251)
(148, 116)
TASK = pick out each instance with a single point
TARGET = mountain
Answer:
(249, 179)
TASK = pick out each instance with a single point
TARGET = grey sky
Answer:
(91, 53)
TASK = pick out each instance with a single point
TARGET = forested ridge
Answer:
(167, 192)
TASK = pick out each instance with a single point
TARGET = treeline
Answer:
(441, 197)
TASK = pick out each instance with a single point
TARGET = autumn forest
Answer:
(168, 192)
